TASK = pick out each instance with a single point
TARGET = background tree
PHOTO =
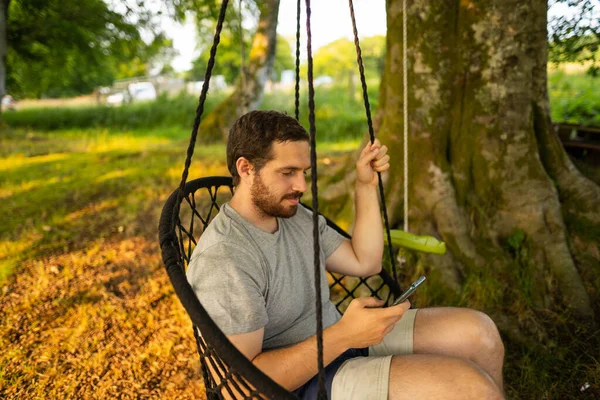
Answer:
(576, 37)
(230, 59)
(64, 48)
(338, 58)
(143, 59)
(487, 173)
(283, 58)
(3, 49)
(250, 87)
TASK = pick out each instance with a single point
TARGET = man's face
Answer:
(276, 190)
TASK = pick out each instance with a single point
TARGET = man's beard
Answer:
(268, 204)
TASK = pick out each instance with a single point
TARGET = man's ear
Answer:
(244, 168)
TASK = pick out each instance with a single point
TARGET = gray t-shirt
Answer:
(248, 279)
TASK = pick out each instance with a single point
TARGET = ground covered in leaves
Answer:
(100, 322)
(87, 311)
(86, 308)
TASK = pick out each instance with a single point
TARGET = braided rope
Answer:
(363, 81)
(297, 88)
(199, 111)
(405, 112)
(243, 50)
(322, 393)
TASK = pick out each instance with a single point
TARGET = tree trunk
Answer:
(249, 90)
(3, 49)
(486, 172)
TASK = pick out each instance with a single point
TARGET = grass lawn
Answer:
(86, 309)
(90, 312)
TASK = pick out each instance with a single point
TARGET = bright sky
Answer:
(330, 20)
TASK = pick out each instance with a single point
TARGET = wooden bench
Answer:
(581, 142)
(578, 136)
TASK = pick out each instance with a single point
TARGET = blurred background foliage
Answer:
(575, 37)
(62, 48)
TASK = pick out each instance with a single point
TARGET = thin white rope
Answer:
(405, 101)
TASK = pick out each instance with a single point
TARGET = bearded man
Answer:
(252, 270)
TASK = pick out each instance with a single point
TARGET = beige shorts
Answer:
(367, 378)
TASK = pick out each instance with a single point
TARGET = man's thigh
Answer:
(424, 376)
(418, 376)
(400, 340)
(448, 331)
(437, 366)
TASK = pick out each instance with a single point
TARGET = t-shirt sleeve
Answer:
(230, 284)
(330, 238)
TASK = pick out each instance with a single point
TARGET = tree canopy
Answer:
(575, 37)
(338, 58)
(68, 47)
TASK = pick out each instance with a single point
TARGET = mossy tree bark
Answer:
(487, 174)
(249, 89)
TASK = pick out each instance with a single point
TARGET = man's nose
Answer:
(300, 183)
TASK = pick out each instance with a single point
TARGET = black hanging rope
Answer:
(363, 81)
(243, 50)
(322, 393)
(297, 88)
(199, 110)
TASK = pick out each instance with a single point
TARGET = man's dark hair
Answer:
(253, 134)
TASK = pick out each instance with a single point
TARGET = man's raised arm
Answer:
(363, 255)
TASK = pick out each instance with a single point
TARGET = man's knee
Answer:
(481, 333)
(489, 337)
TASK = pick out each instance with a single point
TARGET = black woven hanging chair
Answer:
(228, 373)
(233, 373)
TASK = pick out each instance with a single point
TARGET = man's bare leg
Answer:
(421, 376)
(461, 333)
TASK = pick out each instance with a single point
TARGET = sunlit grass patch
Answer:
(63, 193)
(98, 322)
(115, 175)
(53, 194)
(21, 160)
(7, 267)
(92, 314)
(342, 146)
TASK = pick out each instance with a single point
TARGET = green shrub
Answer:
(164, 112)
(340, 117)
(574, 98)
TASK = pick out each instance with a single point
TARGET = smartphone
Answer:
(409, 291)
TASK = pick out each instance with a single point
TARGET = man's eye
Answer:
(290, 173)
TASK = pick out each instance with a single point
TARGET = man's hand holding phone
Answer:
(365, 323)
